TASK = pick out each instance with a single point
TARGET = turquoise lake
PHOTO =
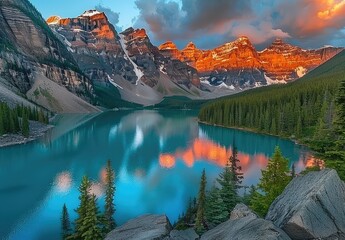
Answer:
(158, 157)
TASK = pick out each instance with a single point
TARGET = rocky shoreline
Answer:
(37, 130)
(311, 207)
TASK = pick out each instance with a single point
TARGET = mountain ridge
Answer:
(128, 61)
(279, 62)
(29, 50)
(87, 57)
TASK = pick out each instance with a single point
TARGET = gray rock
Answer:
(244, 224)
(241, 211)
(311, 206)
(142, 228)
(188, 234)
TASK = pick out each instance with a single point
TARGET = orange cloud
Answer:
(312, 17)
(333, 9)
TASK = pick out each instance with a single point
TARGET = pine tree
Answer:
(228, 188)
(337, 156)
(109, 211)
(90, 228)
(190, 213)
(82, 209)
(25, 125)
(293, 171)
(65, 222)
(247, 197)
(235, 169)
(16, 122)
(2, 127)
(200, 216)
(272, 183)
(216, 211)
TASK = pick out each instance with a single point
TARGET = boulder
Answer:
(244, 224)
(241, 211)
(188, 234)
(311, 207)
(142, 228)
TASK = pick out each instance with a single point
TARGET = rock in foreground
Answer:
(142, 228)
(188, 234)
(244, 224)
(311, 207)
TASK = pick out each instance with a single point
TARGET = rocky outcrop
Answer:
(188, 234)
(127, 61)
(142, 228)
(311, 207)
(244, 224)
(29, 47)
(285, 62)
(236, 63)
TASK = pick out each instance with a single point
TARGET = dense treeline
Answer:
(16, 120)
(306, 109)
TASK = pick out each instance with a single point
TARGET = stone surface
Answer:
(29, 47)
(311, 207)
(188, 234)
(278, 62)
(126, 60)
(241, 211)
(244, 224)
(142, 228)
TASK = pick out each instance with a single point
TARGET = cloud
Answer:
(312, 17)
(258, 33)
(214, 15)
(113, 17)
(308, 23)
(173, 20)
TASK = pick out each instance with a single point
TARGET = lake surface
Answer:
(158, 157)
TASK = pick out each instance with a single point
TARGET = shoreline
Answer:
(37, 130)
(296, 141)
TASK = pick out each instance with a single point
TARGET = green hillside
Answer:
(304, 110)
(286, 110)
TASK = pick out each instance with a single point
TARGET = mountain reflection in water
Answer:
(158, 157)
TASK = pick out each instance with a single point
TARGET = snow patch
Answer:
(258, 84)
(301, 71)
(90, 13)
(137, 71)
(113, 82)
(161, 68)
(222, 85)
(271, 81)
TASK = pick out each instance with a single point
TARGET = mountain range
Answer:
(74, 64)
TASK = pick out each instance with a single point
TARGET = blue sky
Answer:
(208, 23)
(71, 8)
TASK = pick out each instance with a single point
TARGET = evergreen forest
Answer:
(310, 110)
(16, 120)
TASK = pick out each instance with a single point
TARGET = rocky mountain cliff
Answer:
(29, 52)
(126, 63)
(72, 63)
(238, 63)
